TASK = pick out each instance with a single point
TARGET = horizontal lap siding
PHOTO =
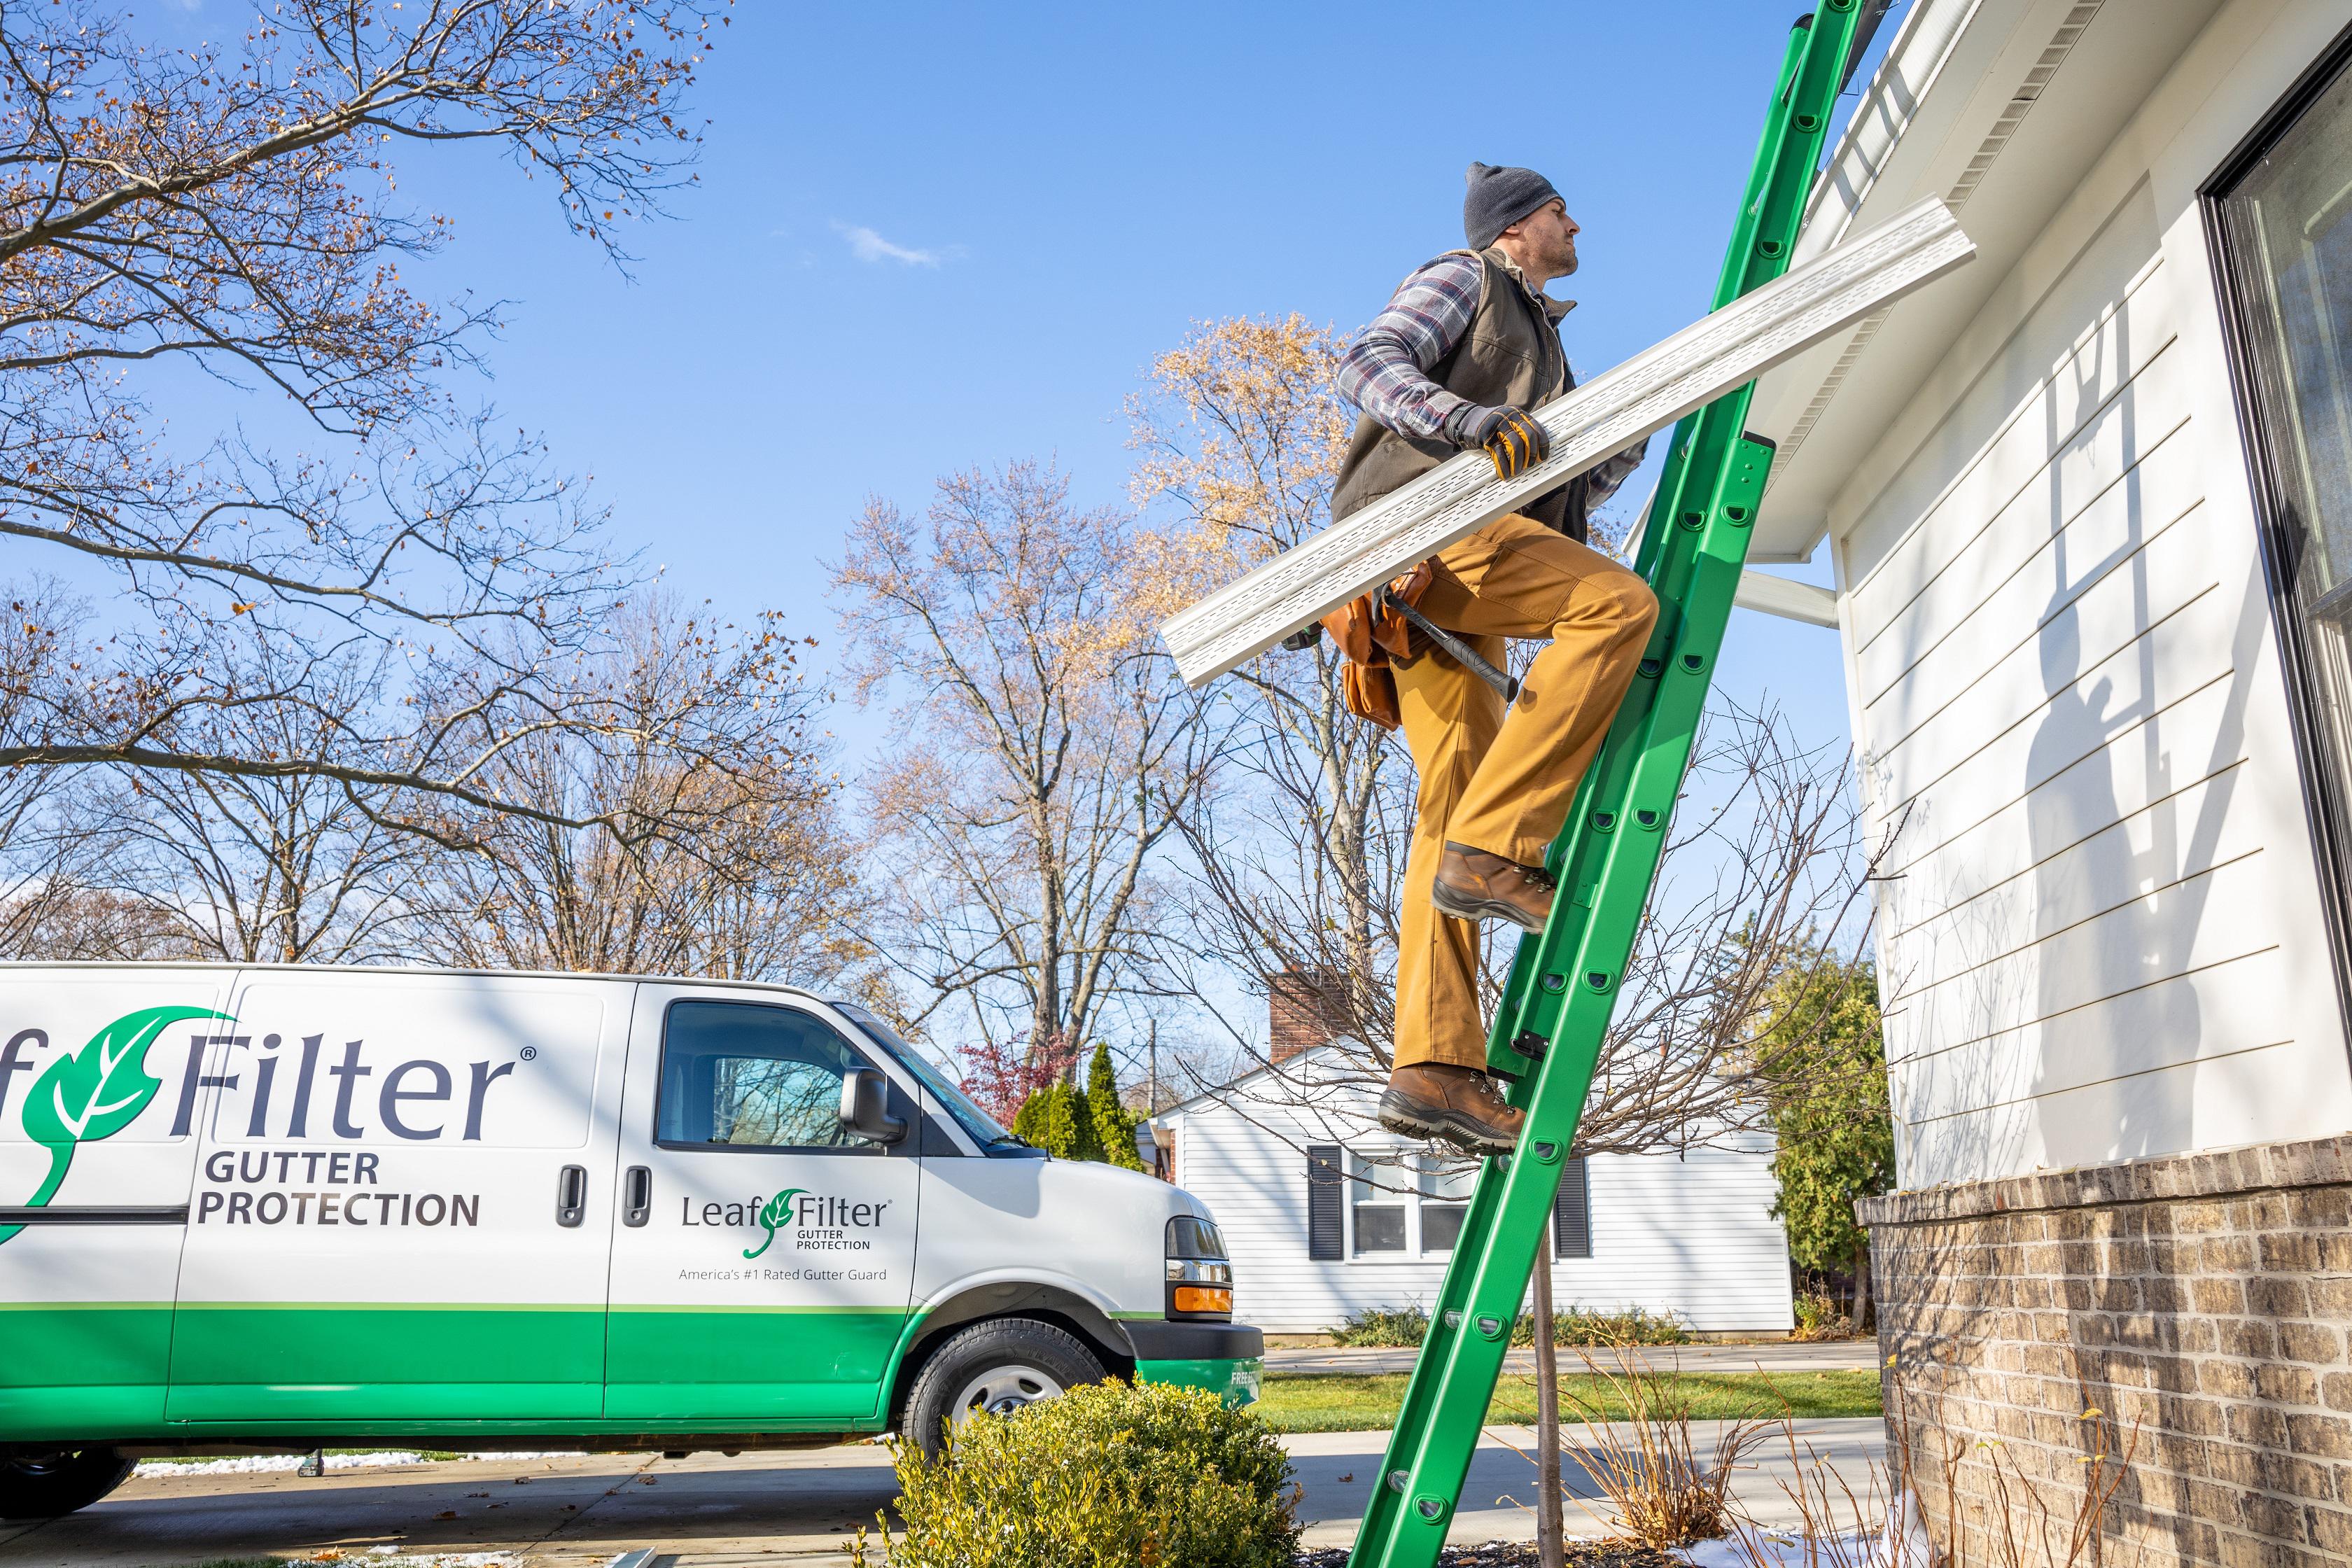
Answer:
(1901, 617)
(1692, 1237)
(2080, 953)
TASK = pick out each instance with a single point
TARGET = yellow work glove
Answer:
(1511, 439)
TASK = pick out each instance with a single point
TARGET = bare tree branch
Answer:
(234, 208)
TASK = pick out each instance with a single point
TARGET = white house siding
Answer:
(1694, 1237)
(2102, 937)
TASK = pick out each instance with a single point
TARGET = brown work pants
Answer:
(1488, 782)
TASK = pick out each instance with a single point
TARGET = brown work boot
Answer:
(1473, 885)
(1460, 1105)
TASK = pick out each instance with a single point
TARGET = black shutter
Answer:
(1326, 1225)
(1571, 1213)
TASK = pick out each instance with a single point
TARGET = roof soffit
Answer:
(2001, 107)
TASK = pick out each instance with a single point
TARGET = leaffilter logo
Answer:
(776, 1211)
(95, 1092)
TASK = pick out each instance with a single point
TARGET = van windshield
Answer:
(983, 1127)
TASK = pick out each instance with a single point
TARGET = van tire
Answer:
(45, 1486)
(1019, 1359)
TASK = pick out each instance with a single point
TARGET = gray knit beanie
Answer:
(1497, 198)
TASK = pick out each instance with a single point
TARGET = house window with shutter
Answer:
(1392, 1205)
(1571, 1213)
(1327, 1220)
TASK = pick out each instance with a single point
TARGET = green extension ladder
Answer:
(1563, 986)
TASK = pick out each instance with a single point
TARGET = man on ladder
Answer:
(1469, 344)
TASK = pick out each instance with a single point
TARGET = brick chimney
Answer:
(1303, 1008)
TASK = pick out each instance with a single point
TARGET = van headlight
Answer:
(1200, 1276)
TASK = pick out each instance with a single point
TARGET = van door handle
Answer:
(637, 1200)
(572, 1195)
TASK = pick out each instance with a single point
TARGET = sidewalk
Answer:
(1835, 1355)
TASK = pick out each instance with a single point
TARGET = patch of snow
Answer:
(242, 1464)
(1903, 1542)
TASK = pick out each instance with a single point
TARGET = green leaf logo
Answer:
(95, 1092)
(776, 1211)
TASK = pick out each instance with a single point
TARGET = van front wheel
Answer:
(997, 1367)
(45, 1485)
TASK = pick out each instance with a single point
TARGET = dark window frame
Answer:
(2327, 800)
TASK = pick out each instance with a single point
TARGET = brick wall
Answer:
(1305, 1008)
(2200, 1300)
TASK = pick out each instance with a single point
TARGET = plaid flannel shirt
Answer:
(1385, 371)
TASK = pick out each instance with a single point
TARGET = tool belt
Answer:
(1373, 633)
(1384, 629)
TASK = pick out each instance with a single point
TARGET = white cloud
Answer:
(868, 246)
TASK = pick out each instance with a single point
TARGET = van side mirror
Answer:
(865, 1107)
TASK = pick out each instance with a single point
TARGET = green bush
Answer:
(1389, 1328)
(1114, 1123)
(1106, 1476)
(1403, 1328)
(1580, 1326)
(1072, 1123)
(1058, 1119)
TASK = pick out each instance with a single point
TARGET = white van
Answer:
(278, 1208)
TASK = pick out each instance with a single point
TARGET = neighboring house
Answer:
(2089, 503)
(1326, 1214)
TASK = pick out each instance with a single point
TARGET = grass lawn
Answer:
(1369, 1404)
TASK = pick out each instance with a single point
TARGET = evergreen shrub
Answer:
(1114, 1123)
(1106, 1476)
(1090, 1123)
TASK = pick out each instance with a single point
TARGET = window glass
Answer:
(1445, 1185)
(1441, 1227)
(744, 1076)
(2287, 229)
(1447, 1179)
(1377, 1196)
(984, 1128)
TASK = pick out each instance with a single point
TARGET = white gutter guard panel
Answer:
(1608, 414)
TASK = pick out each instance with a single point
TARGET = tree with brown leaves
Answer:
(1296, 855)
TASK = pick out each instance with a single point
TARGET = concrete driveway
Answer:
(708, 1510)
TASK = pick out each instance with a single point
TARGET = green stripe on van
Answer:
(74, 1369)
(329, 1361)
(1234, 1381)
(100, 1369)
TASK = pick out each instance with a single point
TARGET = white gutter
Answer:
(1787, 598)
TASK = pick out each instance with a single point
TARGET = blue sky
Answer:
(929, 237)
